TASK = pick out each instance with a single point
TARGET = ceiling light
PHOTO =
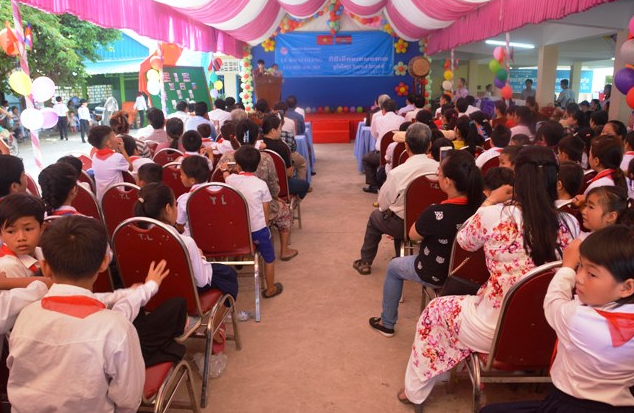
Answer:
(512, 44)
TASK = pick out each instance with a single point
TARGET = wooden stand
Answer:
(268, 88)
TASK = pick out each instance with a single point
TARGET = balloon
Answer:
(507, 92)
(498, 83)
(502, 75)
(624, 80)
(152, 75)
(154, 87)
(43, 89)
(50, 118)
(631, 26)
(448, 75)
(447, 85)
(217, 63)
(213, 78)
(327, 109)
(629, 98)
(494, 66)
(346, 109)
(32, 119)
(499, 53)
(359, 109)
(218, 84)
(156, 63)
(8, 46)
(339, 109)
(320, 110)
(214, 93)
(21, 83)
(627, 51)
(308, 110)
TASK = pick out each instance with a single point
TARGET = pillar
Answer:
(122, 87)
(472, 77)
(575, 79)
(618, 107)
(546, 75)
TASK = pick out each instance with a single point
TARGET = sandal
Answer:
(362, 268)
(290, 257)
(218, 348)
(278, 290)
(418, 408)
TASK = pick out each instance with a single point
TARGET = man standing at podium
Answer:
(260, 70)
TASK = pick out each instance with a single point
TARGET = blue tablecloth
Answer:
(309, 140)
(302, 149)
(363, 143)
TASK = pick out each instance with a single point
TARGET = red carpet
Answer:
(334, 127)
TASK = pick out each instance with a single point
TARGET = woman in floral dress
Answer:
(516, 236)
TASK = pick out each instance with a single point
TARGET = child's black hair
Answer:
(150, 173)
(248, 158)
(12, 169)
(614, 199)
(56, 182)
(74, 247)
(609, 151)
(269, 123)
(73, 161)
(520, 139)
(550, 132)
(156, 118)
(629, 140)
(196, 167)
(204, 129)
(571, 177)
(152, 200)
(512, 152)
(20, 205)
(573, 147)
(497, 176)
(439, 143)
(98, 135)
(404, 126)
(192, 141)
(129, 144)
(174, 129)
(500, 136)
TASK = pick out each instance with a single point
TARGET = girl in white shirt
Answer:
(59, 189)
(606, 154)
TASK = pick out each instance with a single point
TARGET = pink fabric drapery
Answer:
(302, 10)
(148, 18)
(364, 8)
(446, 9)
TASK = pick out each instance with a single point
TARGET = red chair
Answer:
(385, 142)
(404, 157)
(588, 176)
(491, 163)
(86, 161)
(172, 178)
(291, 200)
(396, 155)
(218, 220)
(136, 248)
(165, 156)
(128, 177)
(117, 205)
(151, 145)
(31, 185)
(487, 144)
(86, 203)
(216, 176)
(523, 343)
(85, 178)
(161, 383)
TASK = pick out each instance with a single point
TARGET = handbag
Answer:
(456, 285)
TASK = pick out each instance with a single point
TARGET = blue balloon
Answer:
(499, 83)
(624, 80)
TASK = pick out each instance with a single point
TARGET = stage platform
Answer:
(334, 127)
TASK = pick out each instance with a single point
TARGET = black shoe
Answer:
(313, 173)
(371, 189)
(375, 324)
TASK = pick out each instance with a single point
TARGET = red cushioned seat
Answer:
(207, 300)
(154, 377)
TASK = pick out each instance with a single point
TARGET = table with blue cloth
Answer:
(303, 149)
(363, 143)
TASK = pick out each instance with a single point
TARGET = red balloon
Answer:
(8, 46)
(507, 92)
(156, 63)
(629, 98)
(320, 110)
(217, 63)
(346, 109)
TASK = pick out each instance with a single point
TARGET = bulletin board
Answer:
(187, 83)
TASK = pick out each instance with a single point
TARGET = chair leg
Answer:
(477, 383)
(299, 214)
(234, 322)
(208, 347)
(256, 276)
(190, 389)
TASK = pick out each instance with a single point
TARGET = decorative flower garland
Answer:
(400, 69)
(426, 81)
(246, 78)
(401, 46)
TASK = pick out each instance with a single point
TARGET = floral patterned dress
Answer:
(452, 327)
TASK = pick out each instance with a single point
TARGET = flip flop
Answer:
(218, 348)
(405, 400)
(278, 290)
(290, 257)
(362, 268)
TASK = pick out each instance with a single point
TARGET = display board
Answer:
(183, 83)
(519, 76)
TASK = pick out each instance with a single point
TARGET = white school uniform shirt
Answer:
(19, 265)
(603, 178)
(220, 115)
(471, 109)
(107, 166)
(181, 207)
(486, 155)
(84, 113)
(405, 109)
(386, 123)
(179, 114)
(589, 364)
(61, 109)
(14, 300)
(410, 116)
(256, 192)
(137, 162)
(519, 129)
(101, 350)
(627, 157)
(203, 271)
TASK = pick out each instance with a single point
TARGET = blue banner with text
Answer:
(346, 54)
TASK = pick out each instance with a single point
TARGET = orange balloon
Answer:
(629, 98)
(7, 45)
(507, 92)
(156, 63)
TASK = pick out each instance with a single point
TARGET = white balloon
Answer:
(214, 93)
(50, 118)
(32, 119)
(43, 89)
(154, 87)
(627, 51)
(447, 85)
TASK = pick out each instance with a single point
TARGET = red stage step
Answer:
(335, 127)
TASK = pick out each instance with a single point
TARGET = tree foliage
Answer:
(60, 44)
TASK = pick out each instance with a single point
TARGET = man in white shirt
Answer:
(181, 112)
(388, 121)
(566, 95)
(529, 91)
(201, 111)
(388, 218)
(461, 91)
(500, 138)
(62, 122)
(219, 114)
(419, 104)
(84, 119)
(140, 106)
(409, 105)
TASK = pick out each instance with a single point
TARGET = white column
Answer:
(618, 107)
(546, 75)
(575, 79)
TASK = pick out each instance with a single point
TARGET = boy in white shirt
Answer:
(84, 119)
(194, 173)
(62, 122)
(109, 160)
(500, 138)
(193, 145)
(257, 194)
(132, 150)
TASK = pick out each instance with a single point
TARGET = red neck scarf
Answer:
(621, 326)
(6, 251)
(603, 174)
(459, 200)
(79, 306)
(103, 154)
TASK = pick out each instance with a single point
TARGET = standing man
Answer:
(566, 95)
(529, 91)
(84, 119)
(462, 91)
(62, 123)
(140, 106)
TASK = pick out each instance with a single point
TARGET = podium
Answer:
(268, 88)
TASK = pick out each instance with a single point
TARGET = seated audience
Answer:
(200, 116)
(409, 105)
(13, 177)
(496, 177)
(110, 159)
(156, 118)
(500, 117)
(606, 154)
(174, 130)
(615, 128)
(58, 183)
(508, 156)
(569, 182)
(288, 125)
(483, 123)
(606, 205)
(181, 112)
(570, 148)
(519, 140)
(629, 151)
(500, 138)
(525, 122)
(550, 133)
(121, 126)
(467, 137)
(194, 172)
(294, 113)
(419, 104)
(131, 148)
(219, 114)
(151, 173)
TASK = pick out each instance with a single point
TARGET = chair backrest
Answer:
(117, 204)
(468, 265)
(86, 161)
(280, 168)
(151, 145)
(216, 176)
(588, 176)
(136, 248)
(491, 163)
(421, 192)
(172, 178)
(487, 144)
(523, 339)
(404, 156)
(31, 185)
(385, 142)
(396, 156)
(166, 155)
(218, 220)
(84, 177)
(128, 177)
(86, 203)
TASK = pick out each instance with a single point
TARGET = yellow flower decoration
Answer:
(268, 45)
(400, 69)
(388, 29)
(401, 46)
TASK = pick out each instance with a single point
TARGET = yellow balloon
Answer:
(21, 83)
(152, 75)
(218, 84)
(448, 75)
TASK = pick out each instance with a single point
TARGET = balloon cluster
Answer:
(41, 89)
(246, 79)
(338, 109)
(426, 81)
(447, 84)
(499, 67)
(153, 75)
(401, 89)
(624, 78)
(215, 84)
(375, 21)
(8, 41)
(335, 9)
(288, 24)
